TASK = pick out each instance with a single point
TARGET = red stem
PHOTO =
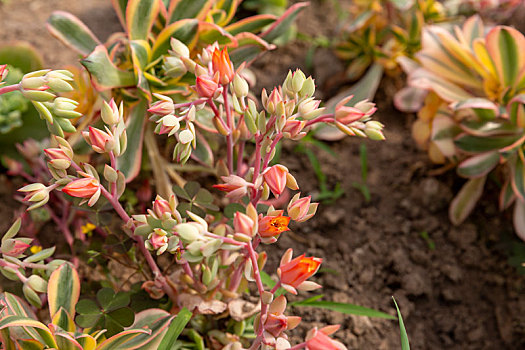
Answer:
(229, 123)
(9, 88)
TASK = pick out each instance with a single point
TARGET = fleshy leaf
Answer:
(105, 74)
(478, 165)
(176, 327)
(465, 201)
(129, 162)
(140, 16)
(72, 32)
(63, 289)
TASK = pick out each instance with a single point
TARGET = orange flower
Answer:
(222, 65)
(294, 273)
(271, 226)
(82, 188)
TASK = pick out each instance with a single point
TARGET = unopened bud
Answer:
(110, 113)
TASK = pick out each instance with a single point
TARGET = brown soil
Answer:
(457, 293)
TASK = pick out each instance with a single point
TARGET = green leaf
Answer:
(123, 316)
(63, 289)
(479, 165)
(404, 337)
(191, 188)
(175, 329)
(284, 22)
(41, 255)
(465, 201)
(140, 16)
(105, 74)
(88, 321)
(189, 9)
(157, 321)
(489, 128)
(476, 144)
(251, 24)
(72, 32)
(345, 308)
(232, 208)
(122, 340)
(129, 162)
(87, 307)
(20, 321)
(120, 9)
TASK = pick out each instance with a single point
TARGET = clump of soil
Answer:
(454, 285)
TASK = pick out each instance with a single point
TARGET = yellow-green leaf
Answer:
(140, 16)
(63, 289)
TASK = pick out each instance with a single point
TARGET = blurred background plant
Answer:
(468, 90)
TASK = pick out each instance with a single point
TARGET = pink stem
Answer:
(10, 88)
(229, 123)
(320, 119)
(260, 287)
(113, 185)
(140, 243)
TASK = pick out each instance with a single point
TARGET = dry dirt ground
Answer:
(456, 288)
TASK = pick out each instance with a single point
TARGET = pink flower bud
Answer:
(273, 100)
(58, 158)
(242, 223)
(158, 239)
(275, 177)
(18, 248)
(236, 186)
(301, 209)
(99, 140)
(206, 86)
(110, 113)
(82, 188)
(294, 128)
(162, 108)
(347, 115)
(319, 340)
(161, 206)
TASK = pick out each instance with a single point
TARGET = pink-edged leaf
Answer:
(210, 33)
(489, 128)
(184, 30)
(87, 341)
(516, 110)
(481, 103)
(155, 320)
(410, 99)
(506, 196)
(281, 25)
(66, 340)
(473, 29)
(423, 79)
(72, 32)
(120, 9)
(475, 144)
(63, 290)
(140, 16)
(478, 165)
(444, 129)
(121, 340)
(465, 201)
(519, 219)
(18, 307)
(20, 321)
(130, 161)
(105, 75)
(249, 47)
(518, 178)
(506, 47)
(252, 24)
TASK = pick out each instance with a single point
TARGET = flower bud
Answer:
(240, 86)
(36, 193)
(65, 107)
(179, 48)
(174, 67)
(161, 206)
(58, 158)
(221, 64)
(110, 113)
(162, 107)
(206, 86)
(300, 209)
(242, 223)
(59, 85)
(3, 71)
(99, 140)
(275, 177)
(373, 129)
(14, 247)
(298, 79)
(82, 188)
(308, 88)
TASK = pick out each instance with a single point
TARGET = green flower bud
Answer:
(240, 86)
(37, 283)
